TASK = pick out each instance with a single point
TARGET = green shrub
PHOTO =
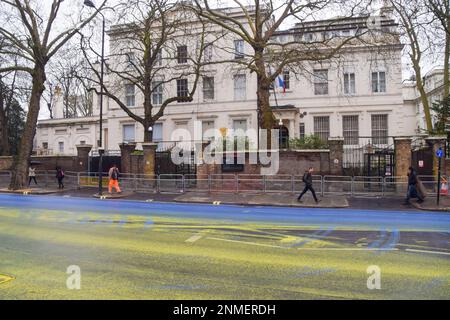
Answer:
(308, 142)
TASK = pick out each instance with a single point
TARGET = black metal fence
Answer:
(369, 156)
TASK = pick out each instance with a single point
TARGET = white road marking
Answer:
(194, 238)
(426, 251)
(249, 243)
(310, 249)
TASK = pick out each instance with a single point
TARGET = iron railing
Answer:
(357, 186)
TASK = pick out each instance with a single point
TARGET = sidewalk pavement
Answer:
(268, 199)
(430, 204)
(33, 190)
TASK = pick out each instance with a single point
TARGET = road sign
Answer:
(440, 153)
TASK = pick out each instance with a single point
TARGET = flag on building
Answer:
(282, 83)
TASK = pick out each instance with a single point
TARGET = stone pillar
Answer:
(126, 149)
(402, 147)
(149, 149)
(82, 158)
(336, 146)
(435, 143)
(202, 167)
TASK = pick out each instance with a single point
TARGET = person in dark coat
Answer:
(308, 180)
(60, 177)
(412, 187)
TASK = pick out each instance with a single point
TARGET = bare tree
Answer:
(424, 38)
(50, 98)
(156, 49)
(269, 57)
(441, 11)
(33, 38)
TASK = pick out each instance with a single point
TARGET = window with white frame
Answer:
(238, 49)
(350, 129)
(321, 82)
(158, 58)
(128, 133)
(349, 83)
(130, 98)
(208, 52)
(182, 54)
(239, 127)
(302, 130)
(182, 89)
(240, 87)
(378, 81)
(157, 92)
(287, 79)
(208, 130)
(157, 132)
(380, 129)
(208, 88)
(322, 127)
(61, 147)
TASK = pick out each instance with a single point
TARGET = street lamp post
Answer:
(101, 150)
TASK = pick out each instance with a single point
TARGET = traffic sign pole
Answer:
(439, 154)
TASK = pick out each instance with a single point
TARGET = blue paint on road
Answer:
(373, 219)
(377, 243)
(320, 234)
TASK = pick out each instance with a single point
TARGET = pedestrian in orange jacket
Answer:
(114, 179)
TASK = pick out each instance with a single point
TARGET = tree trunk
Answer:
(21, 163)
(4, 143)
(263, 92)
(148, 135)
(423, 96)
(263, 101)
(4, 146)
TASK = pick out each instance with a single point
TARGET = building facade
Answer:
(358, 93)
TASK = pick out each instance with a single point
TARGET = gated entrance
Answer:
(109, 158)
(165, 165)
(422, 158)
(380, 163)
(369, 156)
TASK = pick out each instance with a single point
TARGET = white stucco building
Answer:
(434, 88)
(358, 94)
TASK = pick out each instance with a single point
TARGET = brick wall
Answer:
(5, 163)
(290, 163)
(47, 162)
(297, 162)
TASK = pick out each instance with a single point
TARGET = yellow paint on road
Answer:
(240, 260)
(5, 278)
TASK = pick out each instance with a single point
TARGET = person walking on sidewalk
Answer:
(114, 179)
(308, 180)
(60, 177)
(412, 191)
(31, 175)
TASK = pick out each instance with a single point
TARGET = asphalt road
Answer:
(140, 250)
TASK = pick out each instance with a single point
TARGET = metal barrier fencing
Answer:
(367, 186)
(357, 186)
(341, 185)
